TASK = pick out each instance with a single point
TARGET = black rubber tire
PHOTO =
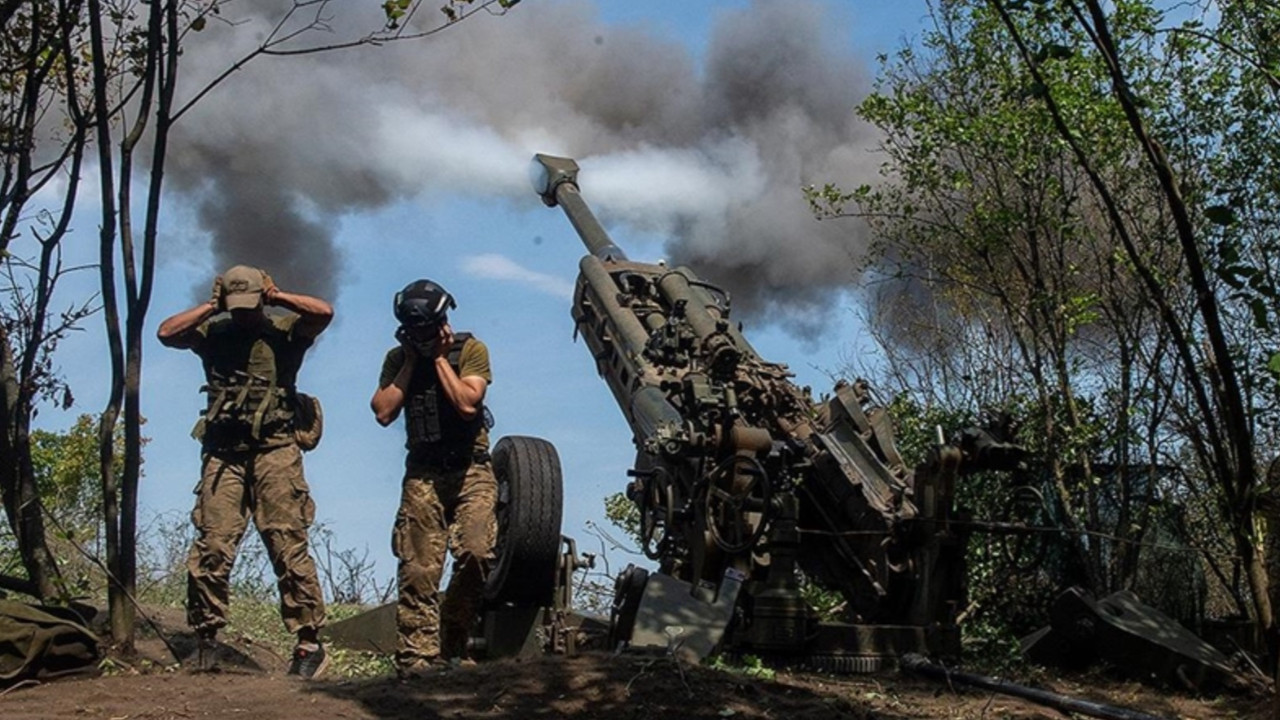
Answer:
(628, 591)
(530, 499)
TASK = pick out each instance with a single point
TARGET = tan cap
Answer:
(243, 287)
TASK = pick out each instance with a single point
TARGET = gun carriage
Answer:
(748, 488)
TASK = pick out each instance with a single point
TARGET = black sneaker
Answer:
(309, 663)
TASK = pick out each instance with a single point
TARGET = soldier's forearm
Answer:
(388, 401)
(314, 314)
(177, 325)
(304, 305)
(464, 396)
(386, 404)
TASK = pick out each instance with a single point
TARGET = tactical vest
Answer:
(433, 425)
(252, 400)
(244, 410)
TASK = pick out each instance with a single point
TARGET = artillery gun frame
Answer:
(746, 485)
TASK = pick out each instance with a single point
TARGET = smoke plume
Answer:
(711, 151)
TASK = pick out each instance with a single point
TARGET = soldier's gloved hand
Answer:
(269, 289)
(404, 336)
(427, 348)
(216, 296)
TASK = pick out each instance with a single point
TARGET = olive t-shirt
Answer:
(472, 362)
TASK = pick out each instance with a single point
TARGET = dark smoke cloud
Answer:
(714, 153)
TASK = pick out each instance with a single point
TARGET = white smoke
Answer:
(713, 155)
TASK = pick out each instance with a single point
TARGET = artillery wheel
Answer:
(530, 499)
(726, 506)
(1025, 551)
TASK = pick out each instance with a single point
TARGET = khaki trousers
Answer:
(442, 510)
(267, 484)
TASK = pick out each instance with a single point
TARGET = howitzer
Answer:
(747, 487)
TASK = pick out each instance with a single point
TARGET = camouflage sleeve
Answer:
(475, 361)
(391, 366)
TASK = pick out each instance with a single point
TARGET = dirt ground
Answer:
(621, 687)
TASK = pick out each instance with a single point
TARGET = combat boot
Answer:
(309, 661)
(206, 650)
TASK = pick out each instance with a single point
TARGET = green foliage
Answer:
(1036, 255)
(65, 466)
(623, 514)
(991, 647)
(916, 426)
(69, 477)
(1005, 600)
(354, 664)
(748, 665)
(257, 622)
(162, 558)
(454, 9)
(395, 11)
(826, 604)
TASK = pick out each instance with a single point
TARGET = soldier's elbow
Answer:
(168, 337)
(384, 415)
(384, 412)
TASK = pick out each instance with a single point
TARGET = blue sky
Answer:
(510, 262)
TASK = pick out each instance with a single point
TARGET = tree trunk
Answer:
(121, 629)
(130, 477)
(17, 481)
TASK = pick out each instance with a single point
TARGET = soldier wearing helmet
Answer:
(251, 461)
(439, 379)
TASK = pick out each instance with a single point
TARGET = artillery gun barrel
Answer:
(556, 181)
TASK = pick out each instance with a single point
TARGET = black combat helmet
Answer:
(423, 303)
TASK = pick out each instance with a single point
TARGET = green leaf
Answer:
(1261, 318)
(1228, 252)
(1059, 52)
(1220, 215)
(198, 24)
(1273, 365)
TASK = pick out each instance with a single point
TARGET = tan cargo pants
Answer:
(442, 510)
(269, 484)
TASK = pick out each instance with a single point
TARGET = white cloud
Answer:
(500, 267)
